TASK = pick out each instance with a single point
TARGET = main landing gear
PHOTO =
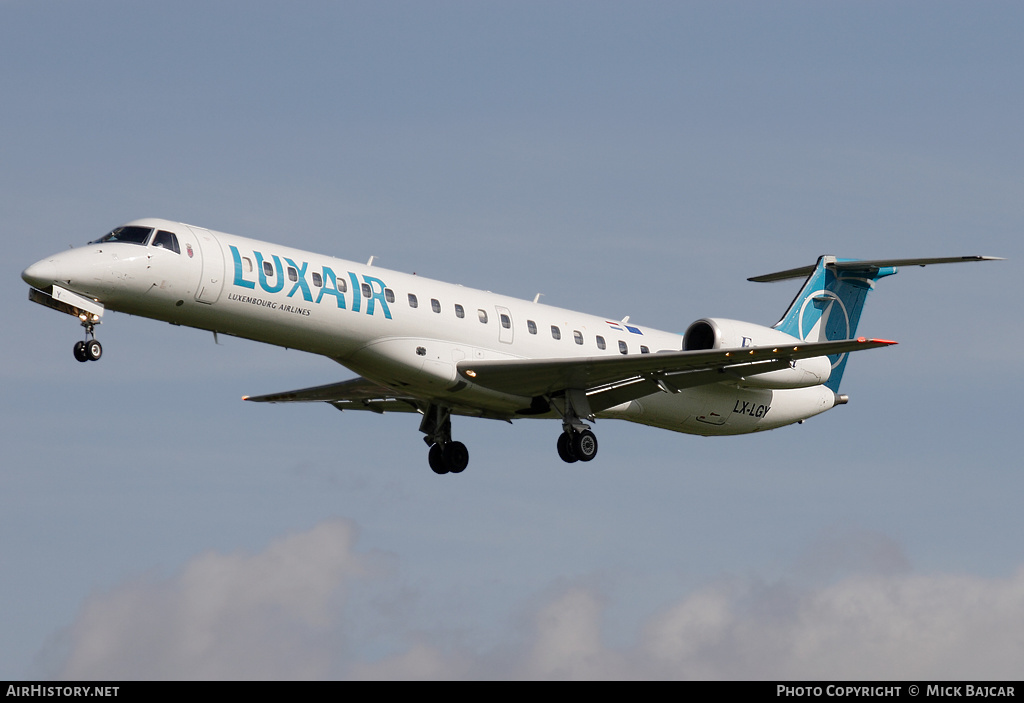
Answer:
(577, 442)
(90, 349)
(576, 446)
(445, 456)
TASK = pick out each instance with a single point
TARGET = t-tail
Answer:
(829, 304)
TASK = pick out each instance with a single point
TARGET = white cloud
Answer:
(269, 615)
(282, 614)
(880, 627)
(567, 639)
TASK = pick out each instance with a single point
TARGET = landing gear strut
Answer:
(90, 349)
(445, 455)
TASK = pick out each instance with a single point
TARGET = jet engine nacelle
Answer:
(720, 333)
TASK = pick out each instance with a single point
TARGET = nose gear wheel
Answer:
(90, 349)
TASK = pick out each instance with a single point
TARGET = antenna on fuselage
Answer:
(536, 298)
(370, 262)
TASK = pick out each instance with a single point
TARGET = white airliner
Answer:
(440, 349)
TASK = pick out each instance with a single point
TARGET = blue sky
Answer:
(636, 159)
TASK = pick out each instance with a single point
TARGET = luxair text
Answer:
(369, 292)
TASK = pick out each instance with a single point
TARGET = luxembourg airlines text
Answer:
(268, 304)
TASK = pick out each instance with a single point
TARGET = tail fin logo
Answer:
(823, 317)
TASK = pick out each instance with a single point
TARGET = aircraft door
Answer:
(504, 324)
(716, 406)
(212, 281)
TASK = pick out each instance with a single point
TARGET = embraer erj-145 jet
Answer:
(440, 349)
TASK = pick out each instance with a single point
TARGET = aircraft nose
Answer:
(40, 274)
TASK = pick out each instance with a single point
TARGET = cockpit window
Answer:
(129, 235)
(166, 240)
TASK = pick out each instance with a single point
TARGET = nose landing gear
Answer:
(90, 349)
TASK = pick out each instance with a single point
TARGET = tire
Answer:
(93, 350)
(565, 451)
(437, 463)
(584, 445)
(80, 351)
(456, 457)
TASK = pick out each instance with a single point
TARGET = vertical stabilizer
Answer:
(829, 304)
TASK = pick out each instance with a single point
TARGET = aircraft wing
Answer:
(362, 394)
(607, 380)
(610, 380)
(354, 394)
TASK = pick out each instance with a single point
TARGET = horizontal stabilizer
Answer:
(870, 265)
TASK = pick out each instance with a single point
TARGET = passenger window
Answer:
(268, 268)
(600, 342)
(293, 275)
(531, 326)
(644, 350)
(482, 314)
(578, 336)
(365, 288)
(555, 332)
(167, 240)
(318, 280)
(247, 264)
(459, 311)
(389, 295)
(435, 305)
(342, 285)
(413, 303)
(623, 349)
(506, 321)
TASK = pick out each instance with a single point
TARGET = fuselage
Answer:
(399, 330)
